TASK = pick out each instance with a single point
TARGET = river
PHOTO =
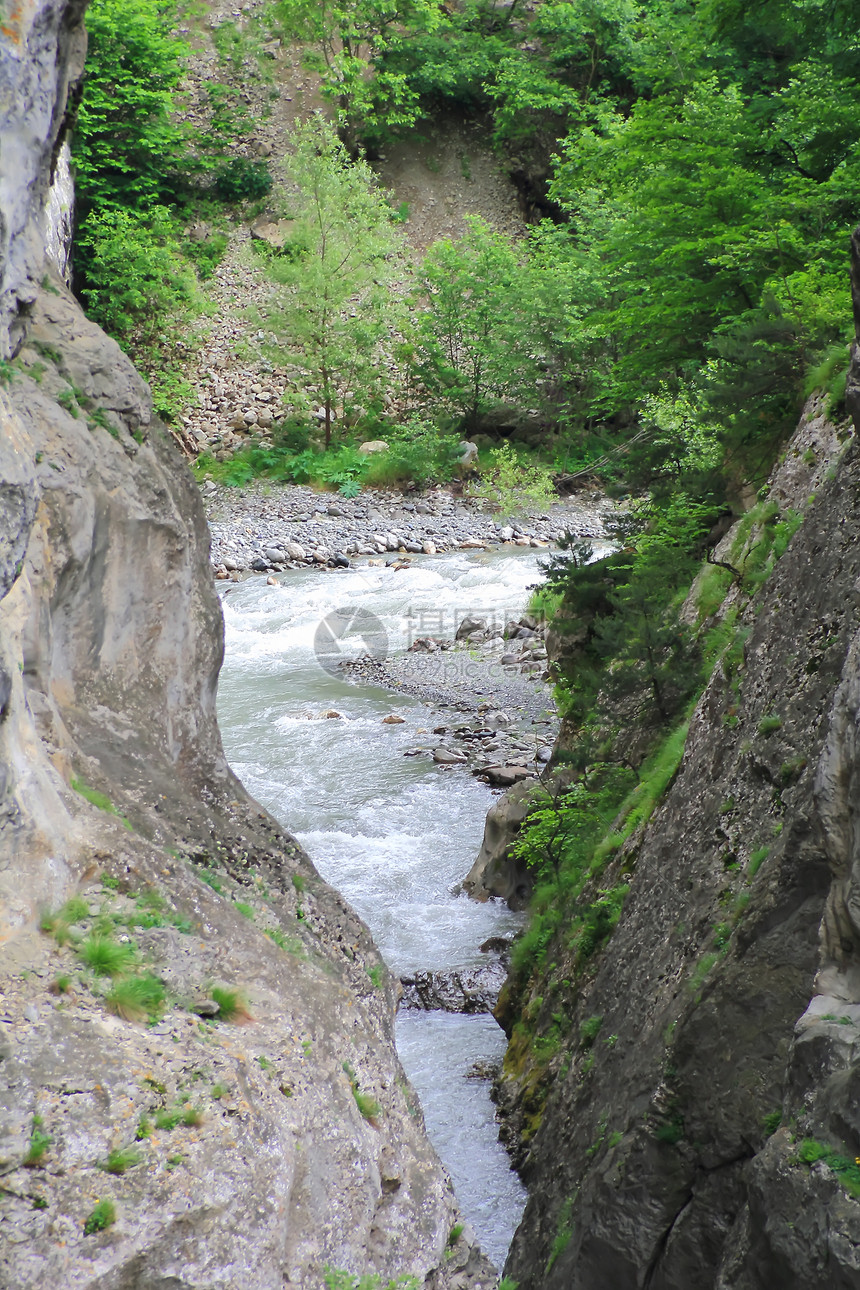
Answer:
(393, 833)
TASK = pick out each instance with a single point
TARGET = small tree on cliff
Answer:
(332, 301)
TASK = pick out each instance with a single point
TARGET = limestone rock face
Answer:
(42, 47)
(112, 769)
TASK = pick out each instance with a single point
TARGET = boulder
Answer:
(373, 445)
(274, 232)
(496, 871)
(469, 626)
(465, 990)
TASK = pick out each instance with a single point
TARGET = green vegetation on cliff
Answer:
(699, 169)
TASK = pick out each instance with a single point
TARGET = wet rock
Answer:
(448, 756)
(465, 990)
(393, 720)
(505, 776)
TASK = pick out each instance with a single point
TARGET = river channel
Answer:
(393, 833)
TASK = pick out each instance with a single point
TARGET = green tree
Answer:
(650, 650)
(348, 41)
(332, 301)
(127, 145)
(135, 274)
(475, 332)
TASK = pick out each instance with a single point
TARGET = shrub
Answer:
(769, 724)
(120, 1160)
(771, 1123)
(671, 1132)
(589, 1030)
(102, 1216)
(243, 180)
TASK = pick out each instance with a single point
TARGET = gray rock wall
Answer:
(709, 1136)
(42, 48)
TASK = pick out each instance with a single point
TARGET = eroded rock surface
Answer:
(704, 1131)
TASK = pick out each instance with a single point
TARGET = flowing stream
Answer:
(394, 834)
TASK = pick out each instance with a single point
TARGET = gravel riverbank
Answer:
(264, 529)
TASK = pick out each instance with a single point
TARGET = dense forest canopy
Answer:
(698, 161)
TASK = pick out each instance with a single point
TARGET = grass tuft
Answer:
(232, 1004)
(39, 1144)
(137, 997)
(105, 956)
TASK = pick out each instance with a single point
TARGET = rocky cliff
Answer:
(702, 1128)
(198, 1080)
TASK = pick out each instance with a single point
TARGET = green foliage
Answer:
(120, 1160)
(39, 1144)
(289, 944)
(771, 1123)
(331, 300)
(337, 1279)
(367, 1105)
(756, 861)
(102, 1216)
(137, 998)
(96, 798)
(136, 276)
(347, 46)
(73, 911)
(589, 1031)
(846, 1169)
(105, 956)
(127, 147)
(476, 332)
(513, 484)
(417, 451)
(702, 970)
(563, 1233)
(769, 724)
(232, 1004)
(169, 1118)
(243, 180)
(671, 1131)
